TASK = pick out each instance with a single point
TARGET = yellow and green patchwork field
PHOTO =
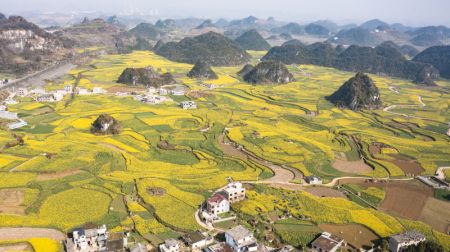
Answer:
(82, 178)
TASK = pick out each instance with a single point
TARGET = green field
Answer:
(61, 160)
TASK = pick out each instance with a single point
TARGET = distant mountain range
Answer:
(383, 59)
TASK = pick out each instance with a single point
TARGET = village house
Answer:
(219, 247)
(241, 239)
(68, 88)
(3, 108)
(188, 105)
(313, 180)
(95, 239)
(163, 91)
(154, 99)
(38, 91)
(139, 247)
(197, 241)
(178, 91)
(170, 245)
(22, 92)
(400, 242)
(98, 90)
(10, 101)
(8, 115)
(327, 242)
(83, 91)
(218, 204)
(151, 90)
(55, 97)
(234, 192)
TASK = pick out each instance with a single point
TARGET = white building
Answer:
(10, 101)
(3, 108)
(22, 92)
(327, 242)
(151, 90)
(188, 105)
(235, 192)
(218, 204)
(8, 115)
(38, 91)
(196, 240)
(98, 90)
(55, 97)
(95, 239)
(170, 245)
(163, 91)
(154, 99)
(83, 91)
(241, 239)
(313, 180)
(178, 91)
(68, 88)
(400, 242)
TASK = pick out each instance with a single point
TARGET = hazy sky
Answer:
(411, 12)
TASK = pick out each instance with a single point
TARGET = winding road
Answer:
(422, 104)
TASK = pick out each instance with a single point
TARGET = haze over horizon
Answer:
(408, 12)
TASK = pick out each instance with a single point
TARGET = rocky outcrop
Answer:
(147, 31)
(24, 46)
(202, 70)
(105, 125)
(357, 93)
(145, 76)
(252, 40)
(212, 48)
(245, 70)
(269, 72)
(439, 57)
(384, 59)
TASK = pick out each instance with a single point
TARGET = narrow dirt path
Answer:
(422, 104)
(29, 232)
(281, 173)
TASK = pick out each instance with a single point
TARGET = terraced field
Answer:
(56, 159)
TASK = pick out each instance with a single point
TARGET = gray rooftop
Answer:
(239, 232)
(408, 236)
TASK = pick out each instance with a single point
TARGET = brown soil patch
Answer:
(199, 94)
(355, 235)
(156, 191)
(57, 175)
(436, 213)
(353, 167)
(376, 147)
(325, 192)
(11, 201)
(16, 247)
(406, 199)
(28, 233)
(164, 145)
(123, 89)
(408, 166)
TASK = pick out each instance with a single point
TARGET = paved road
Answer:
(39, 78)
(28, 232)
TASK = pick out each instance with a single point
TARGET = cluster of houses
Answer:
(220, 202)
(99, 239)
(160, 95)
(237, 239)
(4, 82)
